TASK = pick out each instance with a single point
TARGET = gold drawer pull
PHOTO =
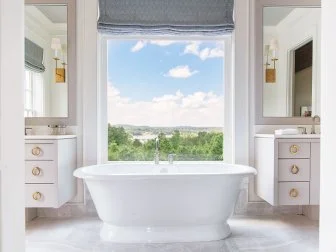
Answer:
(295, 169)
(293, 193)
(294, 149)
(36, 171)
(37, 196)
(36, 151)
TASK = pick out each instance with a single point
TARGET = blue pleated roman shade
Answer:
(33, 56)
(160, 17)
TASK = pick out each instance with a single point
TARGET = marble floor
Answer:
(271, 233)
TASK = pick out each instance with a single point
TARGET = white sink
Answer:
(48, 137)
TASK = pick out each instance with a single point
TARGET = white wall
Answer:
(274, 102)
(328, 161)
(12, 221)
(241, 82)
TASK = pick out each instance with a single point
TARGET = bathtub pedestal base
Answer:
(167, 234)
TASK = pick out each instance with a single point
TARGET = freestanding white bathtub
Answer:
(141, 203)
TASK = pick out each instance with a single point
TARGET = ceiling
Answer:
(55, 13)
(273, 15)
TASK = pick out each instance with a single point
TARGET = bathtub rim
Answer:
(80, 172)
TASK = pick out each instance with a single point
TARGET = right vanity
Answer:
(287, 97)
(288, 169)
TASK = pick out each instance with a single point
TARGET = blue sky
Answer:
(141, 75)
(166, 83)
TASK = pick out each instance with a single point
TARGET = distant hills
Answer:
(141, 130)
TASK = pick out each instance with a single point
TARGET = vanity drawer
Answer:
(39, 195)
(294, 169)
(41, 172)
(293, 193)
(36, 151)
(294, 150)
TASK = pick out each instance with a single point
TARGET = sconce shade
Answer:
(56, 44)
(274, 44)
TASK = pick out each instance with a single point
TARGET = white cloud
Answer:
(198, 109)
(180, 72)
(205, 53)
(114, 94)
(175, 97)
(138, 46)
(142, 43)
(192, 48)
(163, 42)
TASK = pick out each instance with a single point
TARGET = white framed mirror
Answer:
(50, 62)
(287, 61)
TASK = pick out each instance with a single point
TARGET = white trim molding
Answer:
(12, 180)
(328, 136)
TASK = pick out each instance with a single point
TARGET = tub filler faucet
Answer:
(157, 152)
(171, 158)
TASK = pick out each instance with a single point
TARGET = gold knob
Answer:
(293, 193)
(295, 169)
(294, 149)
(36, 171)
(37, 196)
(36, 151)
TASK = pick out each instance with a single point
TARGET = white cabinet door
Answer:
(294, 193)
(294, 170)
(294, 150)
(315, 174)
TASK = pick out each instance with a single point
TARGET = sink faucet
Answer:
(316, 119)
(157, 152)
(171, 158)
(26, 130)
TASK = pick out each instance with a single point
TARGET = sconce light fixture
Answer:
(59, 72)
(271, 54)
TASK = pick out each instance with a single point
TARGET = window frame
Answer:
(31, 90)
(228, 145)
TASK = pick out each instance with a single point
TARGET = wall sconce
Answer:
(59, 72)
(271, 54)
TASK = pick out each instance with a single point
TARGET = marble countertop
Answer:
(49, 137)
(307, 136)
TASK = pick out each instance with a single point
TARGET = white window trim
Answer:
(228, 145)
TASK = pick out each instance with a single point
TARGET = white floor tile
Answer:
(270, 234)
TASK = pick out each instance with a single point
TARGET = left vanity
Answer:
(49, 163)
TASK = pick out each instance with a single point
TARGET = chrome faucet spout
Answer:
(171, 158)
(157, 151)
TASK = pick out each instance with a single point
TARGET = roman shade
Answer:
(180, 17)
(33, 56)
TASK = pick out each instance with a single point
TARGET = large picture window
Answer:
(172, 90)
(34, 97)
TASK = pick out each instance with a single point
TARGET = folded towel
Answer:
(286, 132)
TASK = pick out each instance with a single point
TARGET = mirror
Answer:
(46, 60)
(291, 61)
